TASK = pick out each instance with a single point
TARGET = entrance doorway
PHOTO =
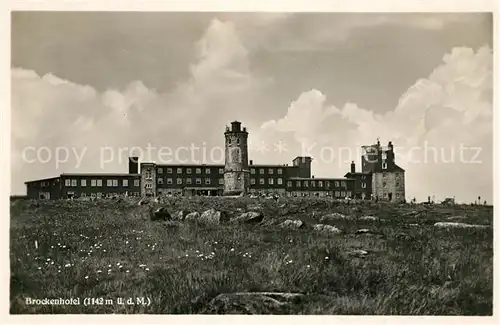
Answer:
(390, 196)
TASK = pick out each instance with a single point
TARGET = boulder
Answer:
(160, 214)
(193, 216)
(362, 231)
(358, 253)
(213, 217)
(292, 224)
(180, 215)
(457, 225)
(251, 303)
(369, 218)
(251, 217)
(326, 229)
(333, 216)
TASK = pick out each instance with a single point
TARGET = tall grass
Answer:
(111, 249)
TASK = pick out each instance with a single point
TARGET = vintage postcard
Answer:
(227, 162)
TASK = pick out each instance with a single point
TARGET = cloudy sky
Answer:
(96, 84)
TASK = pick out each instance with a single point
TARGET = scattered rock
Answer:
(358, 253)
(326, 229)
(251, 217)
(180, 215)
(457, 218)
(193, 216)
(333, 216)
(370, 218)
(291, 224)
(160, 214)
(413, 224)
(363, 231)
(213, 217)
(458, 225)
(251, 303)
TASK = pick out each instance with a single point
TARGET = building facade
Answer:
(380, 177)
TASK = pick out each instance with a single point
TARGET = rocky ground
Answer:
(253, 256)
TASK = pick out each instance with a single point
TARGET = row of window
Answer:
(98, 182)
(317, 183)
(270, 171)
(103, 195)
(189, 181)
(179, 170)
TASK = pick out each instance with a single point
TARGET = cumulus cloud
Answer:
(50, 112)
(438, 127)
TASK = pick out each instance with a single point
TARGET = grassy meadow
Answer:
(111, 249)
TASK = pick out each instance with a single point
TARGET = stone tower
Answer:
(236, 171)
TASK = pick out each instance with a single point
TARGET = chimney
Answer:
(390, 145)
(133, 165)
(251, 162)
(353, 167)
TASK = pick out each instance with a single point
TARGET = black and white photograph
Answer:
(251, 163)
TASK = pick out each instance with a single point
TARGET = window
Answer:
(384, 184)
(188, 170)
(189, 181)
(384, 165)
(271, 171)
(99, 183)
(262, 181)
(342, 184)
(160, 170)
(179, 181)
(83, 182)
(270, 181)
(221, 171)
(149, 185)
(385, 195)
(342, 194)
(67, 182)
(109, 183)
(337, 184)
(125, 183)
(384, 155)
(115, 183)
(252, 171)
(207, 171)
(179, 170)
(280, 181)
(207, 180)
(136, 182)
(93, 183)
(74, 182)
(160, 180)
(313, 183)
(363, 185)
(148, 175)
(397, 184)
(252, 181)
(169, 181)
(280, 171)
(297, 183)
(289, 183)
(349, 193)
(198, 181)
(337, 193)
(320, 183)
(169, 170)
(198, 170)
(221, 181)
(261, 171)
(327, 184)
